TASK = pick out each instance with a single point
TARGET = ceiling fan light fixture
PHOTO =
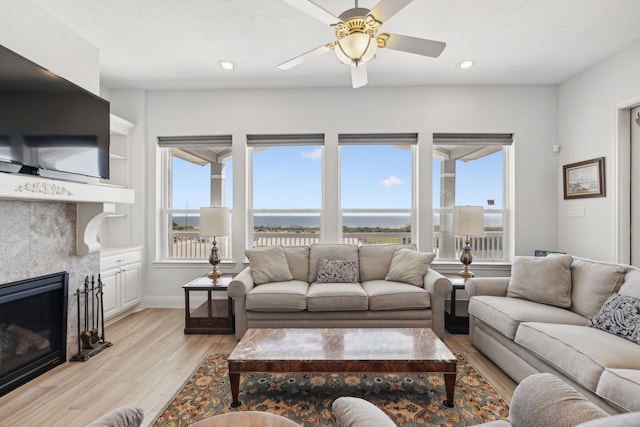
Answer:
(356, 47)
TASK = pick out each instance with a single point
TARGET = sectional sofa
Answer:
(576, 318)
(339, 285)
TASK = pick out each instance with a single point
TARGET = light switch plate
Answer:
(576, 211)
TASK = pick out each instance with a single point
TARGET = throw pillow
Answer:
(408, 266)
(619, 315)
(631, 286)
(337, 271)
(546, 280)
(268, 264)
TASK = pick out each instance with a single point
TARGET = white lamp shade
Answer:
(214, 222)
(468, 220)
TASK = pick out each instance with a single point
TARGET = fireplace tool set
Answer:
(90, 339)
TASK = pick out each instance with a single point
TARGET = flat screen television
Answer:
(49, 123)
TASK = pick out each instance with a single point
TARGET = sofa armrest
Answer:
(238, 289)
(546, 400)
(439, 288)
(494, 286)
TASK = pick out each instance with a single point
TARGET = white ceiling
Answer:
(177, 44)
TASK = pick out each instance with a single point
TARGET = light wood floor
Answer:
(149, 361)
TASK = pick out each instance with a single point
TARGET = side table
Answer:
(214, 316)
(454, 321)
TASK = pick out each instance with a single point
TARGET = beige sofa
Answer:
(339, 285)
(540, 400)
(576, 318)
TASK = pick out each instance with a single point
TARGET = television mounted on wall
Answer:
(48, 123)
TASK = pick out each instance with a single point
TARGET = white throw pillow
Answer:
(268, 264)
(408, 266)
(546, 280)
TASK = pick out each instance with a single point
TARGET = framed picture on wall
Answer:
(584, 179)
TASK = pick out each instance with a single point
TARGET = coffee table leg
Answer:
(234, 382)
(450, 386)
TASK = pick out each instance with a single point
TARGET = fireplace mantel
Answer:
(94, 201)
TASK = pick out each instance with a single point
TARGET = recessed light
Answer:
(464, 65)
(227, 65)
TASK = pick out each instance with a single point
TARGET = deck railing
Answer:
(189, 245)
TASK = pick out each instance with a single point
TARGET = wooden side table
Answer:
(456, 323)
(214, 316)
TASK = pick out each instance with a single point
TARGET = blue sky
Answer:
(372, 177)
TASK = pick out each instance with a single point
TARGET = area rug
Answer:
(410, 400)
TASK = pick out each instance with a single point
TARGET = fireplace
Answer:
(33, 328)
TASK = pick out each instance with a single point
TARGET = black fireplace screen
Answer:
(33, 328)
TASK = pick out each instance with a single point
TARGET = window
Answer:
(470, 170)
(286, 190)
(376, 187)
(198, 174)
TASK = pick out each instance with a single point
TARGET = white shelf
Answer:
(113, 156)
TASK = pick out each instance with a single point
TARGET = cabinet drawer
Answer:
(118, 260)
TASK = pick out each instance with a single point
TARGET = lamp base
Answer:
(214, 274)
(466, 273)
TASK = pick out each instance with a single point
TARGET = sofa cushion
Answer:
(545, 400)
(268, 264)
(336, 297)
(337, 271)
(278, 296)
(592, 283)
(298, 260)
(619, 420)
(622, 387)
(620, 315)
(631, 286)
(387, 295)
(375, 260)
(506, 314)
(546, 280)
(329, 251)
(409, 266)
(580, 352)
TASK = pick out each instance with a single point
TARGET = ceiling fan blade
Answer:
(387, 8)
(415, 45)
(301, 58)
(358, 74)
(313, 10)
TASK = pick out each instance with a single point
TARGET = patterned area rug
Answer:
(410, 400)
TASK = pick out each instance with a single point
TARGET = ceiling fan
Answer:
(357, 36)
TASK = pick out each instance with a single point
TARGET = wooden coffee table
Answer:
(342, 350)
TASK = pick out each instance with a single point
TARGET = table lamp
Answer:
(214, 222)
(467, 221)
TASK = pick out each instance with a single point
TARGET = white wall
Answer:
(33, 33)
(529, 112)
(587, 129)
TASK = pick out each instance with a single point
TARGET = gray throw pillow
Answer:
(268, 264)
(337, 271)
(408, 266)
(546, 280)
(619, 315)
(125, 416)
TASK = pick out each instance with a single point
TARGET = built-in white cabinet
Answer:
(122, 280)
(115, 229)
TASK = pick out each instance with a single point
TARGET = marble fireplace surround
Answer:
(49, 226)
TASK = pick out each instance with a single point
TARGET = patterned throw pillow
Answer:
(337, 271)
(619, 315)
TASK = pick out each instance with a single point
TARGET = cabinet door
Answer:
(110, 292)
(130, 286)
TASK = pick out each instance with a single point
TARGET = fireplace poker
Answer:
(100, 286)
(94, 313)
(86, 334)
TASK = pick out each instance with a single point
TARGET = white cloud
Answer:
(316, 154)
(390, 182)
